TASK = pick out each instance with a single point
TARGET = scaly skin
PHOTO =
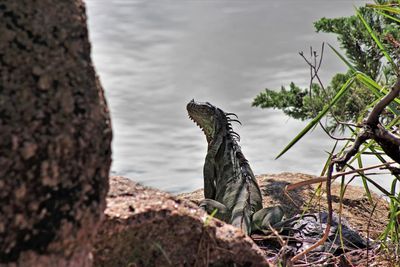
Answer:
(229, 183)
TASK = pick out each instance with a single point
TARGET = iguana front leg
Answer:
(209, 205)
(267, 217)
(209, 179)
(209, 170)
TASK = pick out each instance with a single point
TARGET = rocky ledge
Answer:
(354, 205)
(147, 227)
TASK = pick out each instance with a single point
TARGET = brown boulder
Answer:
(146, 227)
(55, 135)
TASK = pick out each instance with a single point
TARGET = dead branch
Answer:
(314, 68)
(372, 129)
(329, 219)
(322, 179)
(363, 136)
(334, 137)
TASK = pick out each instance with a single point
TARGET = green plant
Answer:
(209, 217)
(374, 132)
(363, 52)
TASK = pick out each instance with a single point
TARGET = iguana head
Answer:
(210, 119)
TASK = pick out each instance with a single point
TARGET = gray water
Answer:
(154, 56)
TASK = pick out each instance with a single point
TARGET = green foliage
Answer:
(343, 90)
(355, 39)
(365, 54)
(359, 48)
(301, 104)
(290, 101)
(363, 88)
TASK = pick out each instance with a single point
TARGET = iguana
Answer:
(229, 183)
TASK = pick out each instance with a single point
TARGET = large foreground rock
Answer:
(55, 135)
(146, 227)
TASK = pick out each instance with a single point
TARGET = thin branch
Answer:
(333, 137)
(322, 55)
(329, 219)
(373, 118)
(351, 124)
(278, 237)
(324, 178)
(361, 138)
(314, 74)
(373, 153)
(368, 226)
(314, 69)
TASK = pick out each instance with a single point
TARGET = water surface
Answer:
(155, 56)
